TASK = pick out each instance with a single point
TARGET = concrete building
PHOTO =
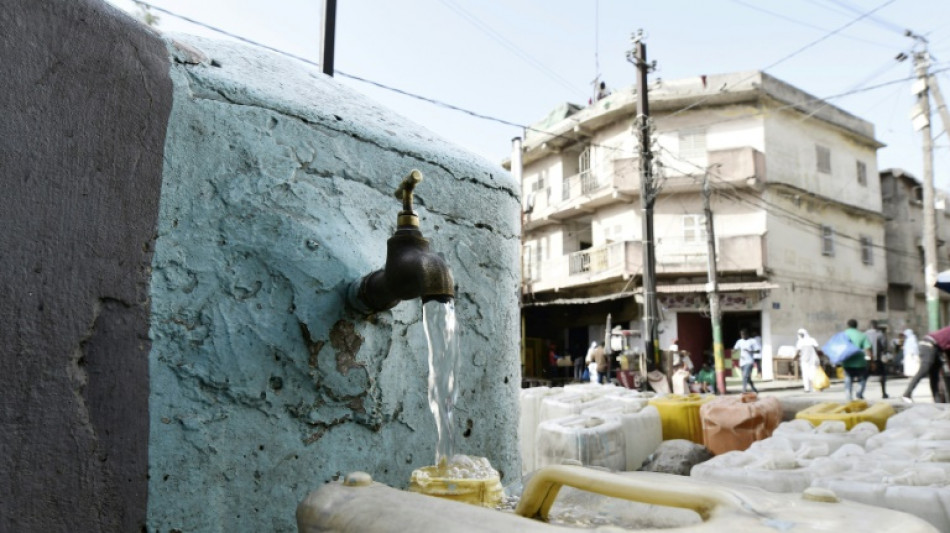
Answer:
(902, 203)
(796, 208)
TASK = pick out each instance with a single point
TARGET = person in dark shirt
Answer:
(933, 355)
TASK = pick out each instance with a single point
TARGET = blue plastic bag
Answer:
(839, 347)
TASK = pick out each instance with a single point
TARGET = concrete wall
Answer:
(85, 99)
(791, 159)
(817, 292)
(278, 193)
(210, 385)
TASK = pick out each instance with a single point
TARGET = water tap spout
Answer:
(411, 271)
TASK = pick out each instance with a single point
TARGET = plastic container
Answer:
(642, 430)
(925, 414)
(572, 402)
(771, 469)
(851, 413)
(679, 415)
(922, 440)
(733, 423)
(588, 440)
(530, 403)
(368, 507)
(829, 435)
(467, 479)
(921, 489)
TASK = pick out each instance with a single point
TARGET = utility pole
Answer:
(941, 105)
(922, 123)
(712, 289)
(328, 36)
(638, 56)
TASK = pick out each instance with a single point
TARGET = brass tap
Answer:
(411, 271)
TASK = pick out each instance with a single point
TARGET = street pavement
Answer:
(792, 388)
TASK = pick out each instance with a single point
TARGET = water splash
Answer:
(442, 335)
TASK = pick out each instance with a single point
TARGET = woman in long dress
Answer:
(911, 353)
(806, 345)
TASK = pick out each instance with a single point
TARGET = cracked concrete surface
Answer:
(277, 193)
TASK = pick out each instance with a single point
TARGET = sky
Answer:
(515, 60)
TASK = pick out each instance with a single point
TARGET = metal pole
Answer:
(650, 309)
(517, 167)
(921, 62)
(328, 36)
(713, 291)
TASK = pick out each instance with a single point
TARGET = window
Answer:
(867, 251)
(827, 241)
(862, 174)
(881, 303)
(694, 228)
(897, 297)
(538, 184)
(583, 161)
(530, 263)
(692, 144)
(823, 154)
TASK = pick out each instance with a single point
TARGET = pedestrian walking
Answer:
(597, 363)
(878, 349)
(757, 356)
(911, 353)
(807, 348)
(856, 366)
(747, 348)
(933, 358)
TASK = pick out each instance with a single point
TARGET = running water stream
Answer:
(442, 335)
(455, 476)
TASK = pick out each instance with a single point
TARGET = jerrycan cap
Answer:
(820, 494)
(358, 479)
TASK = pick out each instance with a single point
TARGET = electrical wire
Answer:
(795, 53)
(806, 24)
(506, 43)
(482, 116)
(877, 20)
(730, 191)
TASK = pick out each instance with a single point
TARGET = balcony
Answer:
(621, 260)
(583, 193)
(619, 181)
(618, 260)
(737, 253)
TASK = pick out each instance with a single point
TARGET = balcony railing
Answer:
(597, 260)
(618, 180)
(738, 253)
(582, 184)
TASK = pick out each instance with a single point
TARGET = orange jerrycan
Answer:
(733, 423)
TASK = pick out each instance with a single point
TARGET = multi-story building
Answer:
(903, 209)
(796, 211)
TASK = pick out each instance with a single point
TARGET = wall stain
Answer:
(313, 347)
(347, 343)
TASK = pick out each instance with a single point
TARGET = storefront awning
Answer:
(685, 288)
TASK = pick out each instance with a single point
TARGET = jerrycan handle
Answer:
(748, 397)
(542, 489)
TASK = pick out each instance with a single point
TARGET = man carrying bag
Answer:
(851, 349)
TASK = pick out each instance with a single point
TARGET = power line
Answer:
(805, 24)
(501, 39)
(795, 53)
(877, 20)
(730, 191)
(452, 107)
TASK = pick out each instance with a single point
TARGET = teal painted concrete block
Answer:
(277, 192)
